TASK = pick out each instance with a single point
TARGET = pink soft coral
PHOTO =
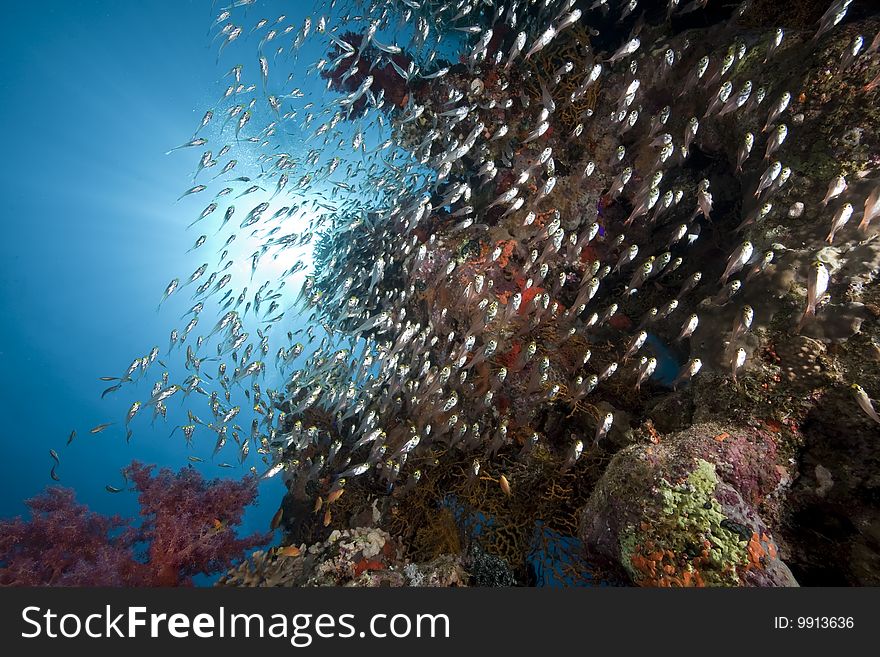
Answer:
(65, 544)
(188, 528)
(190, 522)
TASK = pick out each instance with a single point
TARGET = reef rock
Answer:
(360, 557)
(685, 511)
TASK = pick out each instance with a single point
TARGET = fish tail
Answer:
(809, 312)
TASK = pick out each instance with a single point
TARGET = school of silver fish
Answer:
(401, 343)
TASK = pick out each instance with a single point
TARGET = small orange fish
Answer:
(505, 485)
(327, 517)
(288, 551)
(218, 524)
(276, 519)
(335, 495)
(318, 504)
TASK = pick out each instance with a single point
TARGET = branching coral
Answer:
(572, 46)
(65, 544)
(188, 525)
(426, 523)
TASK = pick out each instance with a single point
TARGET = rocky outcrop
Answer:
(686, 511)
(361, 557)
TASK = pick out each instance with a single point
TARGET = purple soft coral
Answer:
(188, 527)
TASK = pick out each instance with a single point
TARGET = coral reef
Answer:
(489, 570)
(694, 500)
(65, 544)
(684, 512)
(359, 557)
(187, 524)
(599, 345)
(573, 46)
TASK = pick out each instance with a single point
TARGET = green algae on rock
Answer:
(684, 512)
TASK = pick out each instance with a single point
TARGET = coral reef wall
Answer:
(567, 390)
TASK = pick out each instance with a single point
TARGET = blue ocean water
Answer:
(95, 93)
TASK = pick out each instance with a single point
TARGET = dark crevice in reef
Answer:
(651, 14)
(818, 531)
(833, 522)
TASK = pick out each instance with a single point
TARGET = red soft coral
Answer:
(65, 544)
(385, 76)
(190, 522)
(188, 528)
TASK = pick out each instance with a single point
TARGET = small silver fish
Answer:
(603, 428)
(872, 208)
(625, 50)
(835, 188)
(780, 106)
(737, 260)
(542, 41)
(841, 218)
(817, 284)
(776, 140)
(865, 402)
(646, 369)
(688, 327)
(744, 150)
(775, 42)
(736, 362)
(689, 371)
(200, 141)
